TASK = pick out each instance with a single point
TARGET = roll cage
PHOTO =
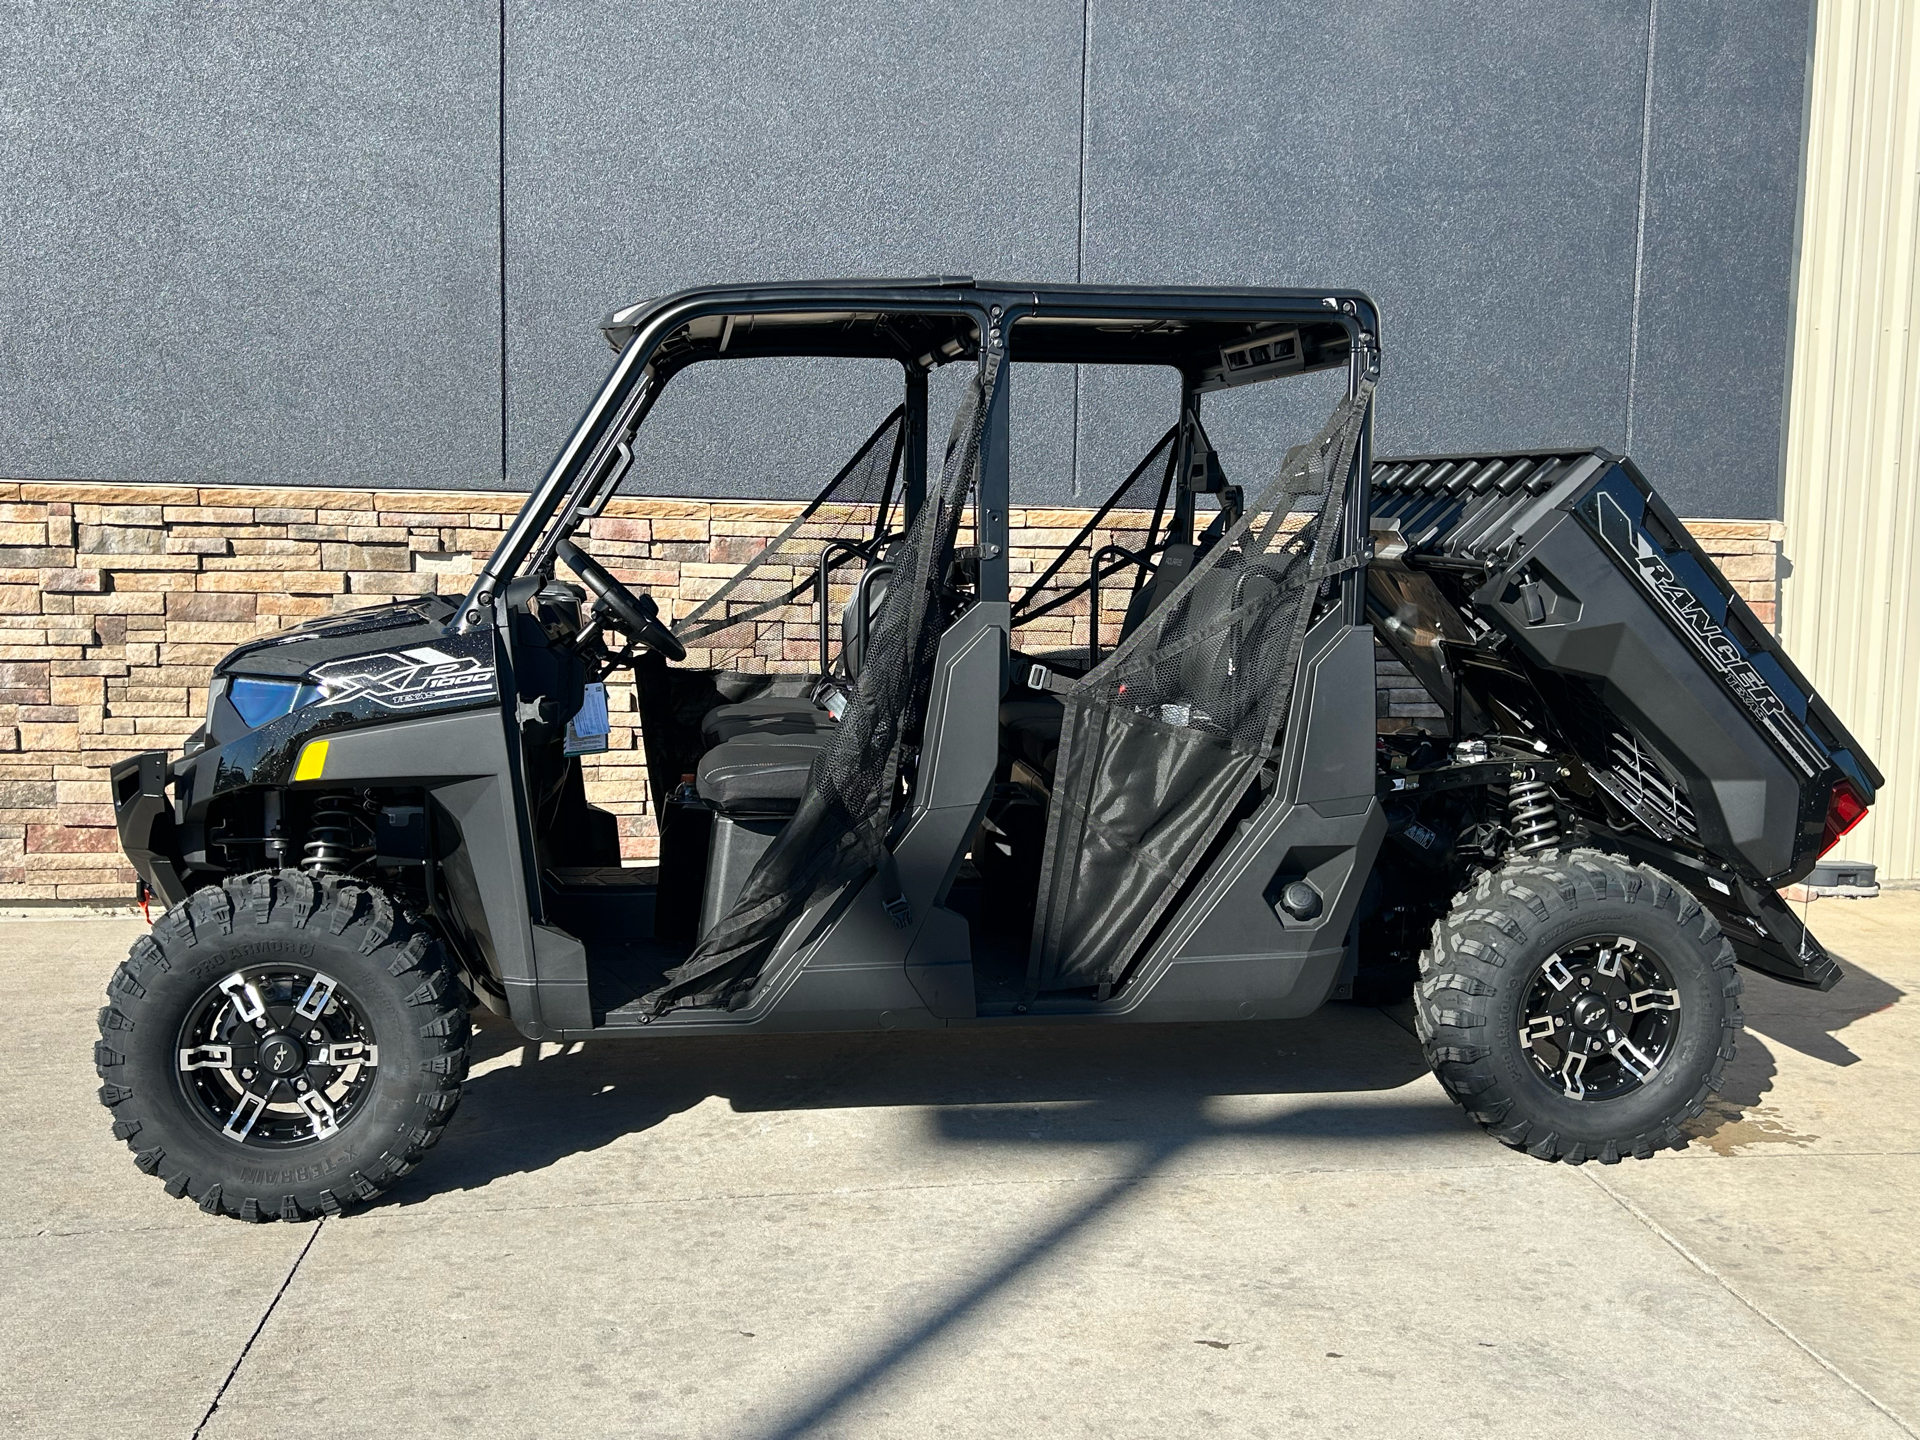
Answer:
(1215, 337)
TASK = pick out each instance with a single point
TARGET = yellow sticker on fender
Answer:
(313, 760)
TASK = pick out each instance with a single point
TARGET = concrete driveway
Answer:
(1261, 1230)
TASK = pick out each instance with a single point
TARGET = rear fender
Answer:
(1765, 933)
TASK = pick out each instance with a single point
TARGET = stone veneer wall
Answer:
(117, 600)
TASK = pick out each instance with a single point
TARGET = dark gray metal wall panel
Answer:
(1137, 405)
(1716, 298)
(262, 245)
(1475, 167)
(651, 149)
(250, 243)
(730, 428)
(774, 428)
(1126, 409)
(1040, 427)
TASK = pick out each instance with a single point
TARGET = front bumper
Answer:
(143, 814)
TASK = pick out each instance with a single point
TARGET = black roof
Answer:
(932, 319)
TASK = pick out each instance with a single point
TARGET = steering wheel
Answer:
(636, 614)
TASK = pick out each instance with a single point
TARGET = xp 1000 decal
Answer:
(427, 677)
(1723, 654)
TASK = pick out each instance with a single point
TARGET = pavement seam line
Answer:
(1673, 1241)
(265, 1316)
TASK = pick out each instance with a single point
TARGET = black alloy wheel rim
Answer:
(276, 1057)
(1600, 1018)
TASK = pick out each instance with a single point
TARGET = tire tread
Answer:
(267, 897)
(1488, 930)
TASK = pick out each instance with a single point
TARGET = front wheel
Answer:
(1579, 1007)
(282, 1046)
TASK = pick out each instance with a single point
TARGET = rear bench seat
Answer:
(1030, 720)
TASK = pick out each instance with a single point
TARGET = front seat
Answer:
(764, 716)
(762, 749)
(797, 717)
(759, 774)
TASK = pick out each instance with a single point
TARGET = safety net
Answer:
(839, 832)
(1162, 739)
(1080, 599)
(776, 602)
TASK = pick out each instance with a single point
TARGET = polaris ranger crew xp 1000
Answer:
(1136, 778)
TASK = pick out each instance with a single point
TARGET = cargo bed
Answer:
(1552, 597)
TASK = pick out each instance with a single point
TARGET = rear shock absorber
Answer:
(329, 847)
(1531, 817)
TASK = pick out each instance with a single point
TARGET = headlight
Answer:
(258, 701)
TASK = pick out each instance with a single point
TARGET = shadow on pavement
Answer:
(902, 1348)
(1135, 1083)
(1072, 1085)
(1140, 1092)
(1121, 1085)
(1807, 1021)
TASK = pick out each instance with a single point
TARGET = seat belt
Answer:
(1040, 678)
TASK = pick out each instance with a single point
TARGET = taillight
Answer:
(1845, 809)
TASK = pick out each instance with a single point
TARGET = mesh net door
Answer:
(839, 832)
(1162, 739)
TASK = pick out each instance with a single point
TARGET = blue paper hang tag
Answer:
(587, 731)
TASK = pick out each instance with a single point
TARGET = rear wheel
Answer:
(282, 1046)
(1579, 1007)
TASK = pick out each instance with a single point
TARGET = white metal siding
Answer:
(1852, 532)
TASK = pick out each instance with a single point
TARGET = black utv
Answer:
(1135, 779)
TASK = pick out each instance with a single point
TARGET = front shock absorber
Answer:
(329, 847)
(1531, 818)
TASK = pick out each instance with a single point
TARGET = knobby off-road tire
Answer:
(224, 986)
(1570, 955)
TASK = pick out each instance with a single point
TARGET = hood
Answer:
(293, 654)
